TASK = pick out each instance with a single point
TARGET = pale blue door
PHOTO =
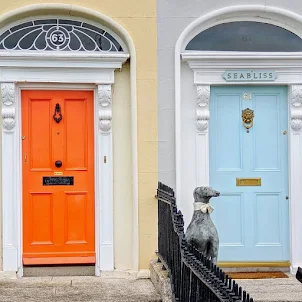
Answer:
(252, 221)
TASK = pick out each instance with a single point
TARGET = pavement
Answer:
(273, 290)
(73, 289)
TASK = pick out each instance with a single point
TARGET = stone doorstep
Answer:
(66, 270)
(75, 271)
(255, 269)
(160, 280)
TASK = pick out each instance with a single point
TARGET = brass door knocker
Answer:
(248, 118)
(57, 115)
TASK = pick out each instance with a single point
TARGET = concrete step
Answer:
(59, 270)
(76, 289)
(250, 269)
(273, 290)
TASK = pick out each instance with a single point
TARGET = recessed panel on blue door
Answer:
(249, 166)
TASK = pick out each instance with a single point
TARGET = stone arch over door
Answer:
(84, 68)
(207, 68)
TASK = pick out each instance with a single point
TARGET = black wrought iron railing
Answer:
(193, 277)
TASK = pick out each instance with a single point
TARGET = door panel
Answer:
(228, 144)
(267, 219)
(41, 214)
(76, 217)
(76, 134)
(252, 221)
(267, 132)
(232, 208)
(58, 220)
(40, 142)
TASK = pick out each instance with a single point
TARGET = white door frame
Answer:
(29, 71)
(208, 68)
(212, 64)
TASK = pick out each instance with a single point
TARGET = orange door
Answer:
(58, 177)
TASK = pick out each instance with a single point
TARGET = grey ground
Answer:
(73, 289)
(273, 290)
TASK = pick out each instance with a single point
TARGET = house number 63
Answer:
(57, 38)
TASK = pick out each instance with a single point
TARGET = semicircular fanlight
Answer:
(246, 36)
(58, 35)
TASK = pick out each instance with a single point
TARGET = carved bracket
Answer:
(105, 108)
(8, 106)
(202, 108)
(296, 108)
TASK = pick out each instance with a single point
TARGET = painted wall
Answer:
(121, 127)
(139, 19)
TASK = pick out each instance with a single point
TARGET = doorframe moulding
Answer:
(208, 68)
(29, 70)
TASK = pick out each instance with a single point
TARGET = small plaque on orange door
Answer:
(58, 181)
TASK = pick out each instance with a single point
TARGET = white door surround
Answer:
(208, 68)
(58, 71)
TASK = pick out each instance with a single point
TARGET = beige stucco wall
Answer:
(138, 17)
(122, 189)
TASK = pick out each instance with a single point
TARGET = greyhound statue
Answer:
(201, 231)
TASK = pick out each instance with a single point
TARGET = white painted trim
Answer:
(202, 136)
(103, 185)
(10, 179)
(208, 68)
(73, 10)
(58, 60)
(104, 166)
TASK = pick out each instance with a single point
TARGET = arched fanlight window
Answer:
(246, 36)
(58, 35)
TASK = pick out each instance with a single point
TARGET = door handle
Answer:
(58, 163)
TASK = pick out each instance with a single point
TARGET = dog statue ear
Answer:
(195, 194)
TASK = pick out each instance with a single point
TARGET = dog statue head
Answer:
(204, 194)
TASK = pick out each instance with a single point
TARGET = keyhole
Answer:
(58, 133)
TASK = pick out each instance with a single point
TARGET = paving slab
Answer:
(273, 290)
(73, 289)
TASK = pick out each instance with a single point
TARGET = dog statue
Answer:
(201, 231)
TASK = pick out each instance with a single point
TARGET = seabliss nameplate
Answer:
(58, 181)
(249, 75)
(242, 182)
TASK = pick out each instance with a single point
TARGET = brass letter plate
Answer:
(241, 182)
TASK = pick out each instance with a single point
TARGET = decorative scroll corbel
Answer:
(105, 107)
(202, 108)
(296, 108)
(8, 106)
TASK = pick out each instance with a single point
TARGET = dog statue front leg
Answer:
(213, 250)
